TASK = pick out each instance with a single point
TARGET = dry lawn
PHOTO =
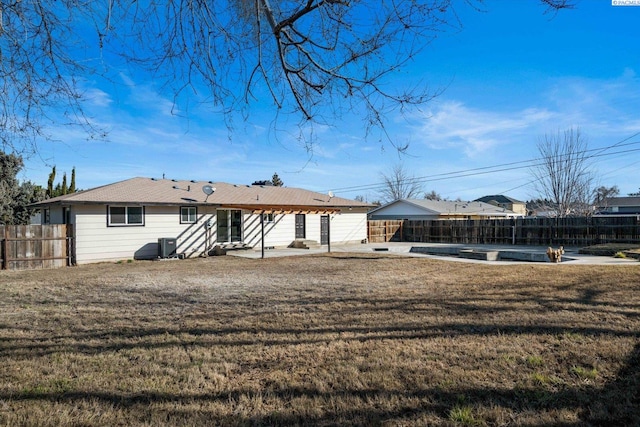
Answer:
(320, 340)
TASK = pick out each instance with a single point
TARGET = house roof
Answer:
(498, 198)
(445, 207)
(151, 191)
(623, 201)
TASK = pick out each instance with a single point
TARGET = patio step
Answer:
(223, 248)
(304, 244)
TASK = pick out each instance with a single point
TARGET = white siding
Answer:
(348, 228)
(96, 241)
(344, 228)
(280, 232)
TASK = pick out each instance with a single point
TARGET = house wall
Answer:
(95, 241)
(56, 215)
(519, 208)
(348, 227)
(280, 232)
(623, 209)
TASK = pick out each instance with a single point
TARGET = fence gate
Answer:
(25, 247)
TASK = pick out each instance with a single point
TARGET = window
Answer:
(46, 216)
(267, 217)
(126, 215)
(188, 214)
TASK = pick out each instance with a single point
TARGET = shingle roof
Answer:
(151, 191)
(445, 207)
(623, 201)
(498, 198)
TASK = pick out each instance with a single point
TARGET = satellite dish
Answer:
(330, 194)
(208, 190)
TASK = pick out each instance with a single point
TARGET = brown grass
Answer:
(320, 340)
(610, 249)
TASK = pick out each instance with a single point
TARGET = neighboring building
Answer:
(505, 202)
(126, 219)
(542, 212)
(439, 209)
(541, 209)
(619, 206)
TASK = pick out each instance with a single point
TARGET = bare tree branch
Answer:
(39, 64)
(399, 184)
(317, 59)
(564, 175)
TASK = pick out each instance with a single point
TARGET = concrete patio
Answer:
(492, 254)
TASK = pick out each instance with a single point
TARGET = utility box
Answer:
(167, 247)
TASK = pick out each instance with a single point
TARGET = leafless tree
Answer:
(602, 193)
(399, 184)
(563, 174)
(39, 63)
(317, 59)
(433, 195)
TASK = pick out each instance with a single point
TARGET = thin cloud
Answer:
(98, 98)
(602, 108)
(453, 125)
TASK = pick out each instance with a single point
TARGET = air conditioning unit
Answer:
(167, 247)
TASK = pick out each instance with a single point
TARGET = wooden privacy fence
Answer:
(26, 247)
(581, 231)
(384, 231)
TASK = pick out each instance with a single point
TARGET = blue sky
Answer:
(510, 75)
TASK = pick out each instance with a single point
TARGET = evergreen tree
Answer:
(52, 179)
(72, 186)
(64, 189)
(60, 189)
(10, 165)
(15, 197)
(28, 193)
(276, 181)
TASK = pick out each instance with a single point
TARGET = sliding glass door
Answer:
(229, 226)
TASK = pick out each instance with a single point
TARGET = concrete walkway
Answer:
(570, 257)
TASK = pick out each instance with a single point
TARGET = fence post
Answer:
(70, 244)
(5, 249)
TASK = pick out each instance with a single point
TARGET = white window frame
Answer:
(268, 217)
(192, 217)
(127, 217)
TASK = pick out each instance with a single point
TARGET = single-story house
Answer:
(541, 210)
(136, 218)
(424, 209)
(619, 206)
(505, 202)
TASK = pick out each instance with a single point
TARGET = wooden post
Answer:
(262, 233)
(5, 249)
(329, 232)
(71, 247)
